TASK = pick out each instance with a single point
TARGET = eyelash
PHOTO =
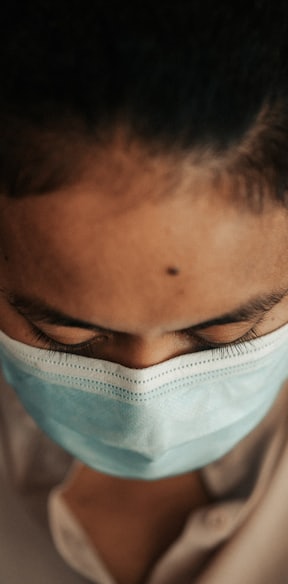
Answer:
(235, 345)
(55, 346)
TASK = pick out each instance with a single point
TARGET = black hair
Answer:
(203, 76)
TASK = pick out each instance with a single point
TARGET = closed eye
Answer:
(208, 343)
(52, 345)
(86, 347)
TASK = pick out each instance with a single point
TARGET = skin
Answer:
(103, 251)
(144, 247)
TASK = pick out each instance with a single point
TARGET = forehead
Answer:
(139, 241)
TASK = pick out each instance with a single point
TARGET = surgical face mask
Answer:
(149, 423)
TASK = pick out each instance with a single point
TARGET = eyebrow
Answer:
(38, 311)
(254, 308)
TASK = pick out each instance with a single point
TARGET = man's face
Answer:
(143, 249)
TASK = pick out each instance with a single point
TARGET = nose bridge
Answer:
(138, 353)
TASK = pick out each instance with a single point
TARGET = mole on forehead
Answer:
(172, 271)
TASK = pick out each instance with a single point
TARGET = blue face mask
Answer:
(149, 423)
